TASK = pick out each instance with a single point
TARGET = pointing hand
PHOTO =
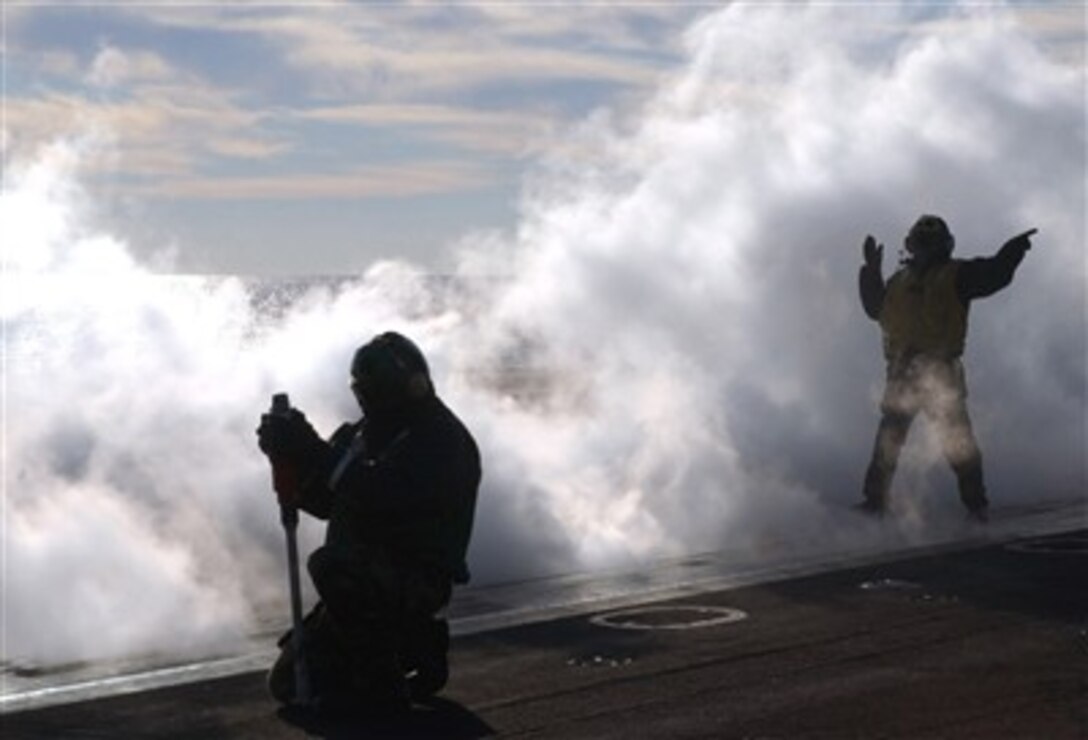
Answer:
(1021, 241)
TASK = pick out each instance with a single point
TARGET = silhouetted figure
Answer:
(922, 311)
(398, 489)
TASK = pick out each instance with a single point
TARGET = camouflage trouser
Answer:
(375, 623)
(938, 389)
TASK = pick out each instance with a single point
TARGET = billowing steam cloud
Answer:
(668, 355)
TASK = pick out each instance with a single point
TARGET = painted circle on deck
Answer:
(1070, 545)
(668, 617)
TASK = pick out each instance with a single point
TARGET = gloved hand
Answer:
(1021, 242)
(288, 436)
(874, 254)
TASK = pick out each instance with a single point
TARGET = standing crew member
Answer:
(922, 311)
(398, 489)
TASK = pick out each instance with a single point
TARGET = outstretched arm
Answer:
(984, 276)
(871, 278)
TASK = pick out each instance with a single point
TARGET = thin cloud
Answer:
(431, 63)
(428, 115)
(113, 67)
(160, 120)
(392, 181)
(1061, 31)
(433, 49)
(237, 147)
(503, 132)
(171, 126)
(176, 126)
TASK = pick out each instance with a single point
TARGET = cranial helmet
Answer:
(388, 372)
(930, 233)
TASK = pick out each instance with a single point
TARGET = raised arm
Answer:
(871, 278)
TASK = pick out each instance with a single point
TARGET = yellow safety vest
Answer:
(922, 314)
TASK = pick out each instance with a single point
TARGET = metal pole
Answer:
(289, 518)
(284, 478)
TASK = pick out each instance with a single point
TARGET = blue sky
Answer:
(315, 138)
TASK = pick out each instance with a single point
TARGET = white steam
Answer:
(674, 358)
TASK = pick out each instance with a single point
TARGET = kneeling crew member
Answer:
(398, 489)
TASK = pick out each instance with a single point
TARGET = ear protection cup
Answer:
(419, 386)
(411, 363)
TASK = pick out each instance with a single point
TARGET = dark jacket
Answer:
(976, 278)
(408, 486)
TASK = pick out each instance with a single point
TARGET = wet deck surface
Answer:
(984, 642)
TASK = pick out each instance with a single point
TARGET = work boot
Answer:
(428, 679)
(385, 692)
(425, 658)
(368, 691)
